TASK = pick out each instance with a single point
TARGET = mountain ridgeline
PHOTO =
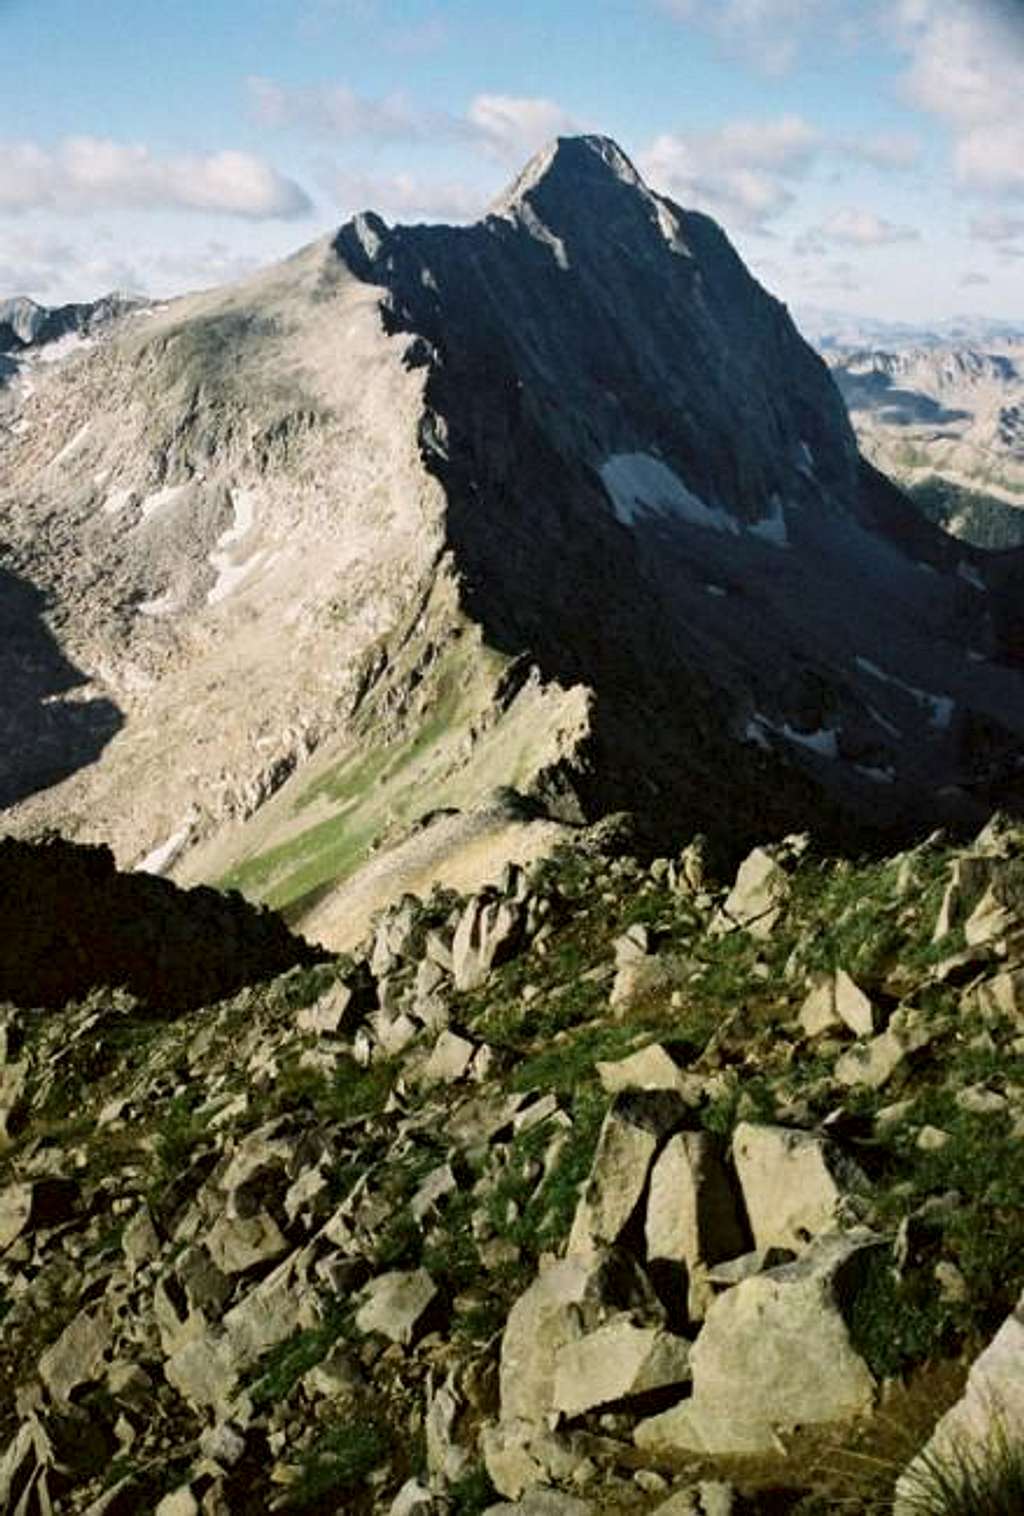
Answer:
(557, 503)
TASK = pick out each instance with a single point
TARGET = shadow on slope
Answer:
(72, 924)
(44, 736)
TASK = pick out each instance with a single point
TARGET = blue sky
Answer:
(864, 155)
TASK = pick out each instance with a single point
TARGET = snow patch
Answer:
(639, 484)
(824, 741)
(230, 574)
(61, 347)
(941, 707)
(718, 590)
(805, 460)
(70, 448)
(163, 856)
(153, 504)
(161, 605)
(116, 501)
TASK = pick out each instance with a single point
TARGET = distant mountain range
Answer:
(831, 330)
(430, 541)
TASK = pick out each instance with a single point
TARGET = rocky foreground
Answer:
(611, 1190)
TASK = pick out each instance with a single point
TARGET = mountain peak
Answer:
(569, 163)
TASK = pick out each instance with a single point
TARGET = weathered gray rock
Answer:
(568, 1299)
(544, 1503)
(986, 1420)
(873, 1063)
(331, 1014)
(140, 1242)
(970, 876)
(773, 1353)
(1000, 997)
(487, 931)
(450, 1059)
(795, 1184)
(692, 1215)
(414, 1499)
(616, 1362)
(25, 1471)
(13, 1087)
(28, 1206)
(633, 1130)
(708, 1498)
(395, 1304)
(78, 1356)
(447, 1459)
(650, 1068)
(835, 1001)
(757, 898)
(520, 1455)
(639, 978)
(239, 1244)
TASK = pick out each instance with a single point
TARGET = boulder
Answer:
(450, 1059)
(774, 1353)
(757, 898)
(873, 1063)
(78, 1356)
(710, 1497)
(569, 1298)
(33, 1205)
(487, 933)
(692, 1215)
(638, 978)
(520, 1455)
(794, 1184)
(650, 1068)
(395, 1304)
(238, 1244)
(543, 1503)
(633, 1131)
(986, 1421)
(617, 1362)
(835, 1001)
(998, 998)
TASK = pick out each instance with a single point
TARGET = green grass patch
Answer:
(338, 1464)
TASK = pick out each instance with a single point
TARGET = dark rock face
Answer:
(25, 324)
(654, 489)
(70, 923)
(45, 731)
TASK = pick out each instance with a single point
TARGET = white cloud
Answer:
(337, 111)
(972, 278)
(738, 172)
(515, 125)
(511, 126)
(403, 195)
(853, 227)
(83, 173)
(997, 227)
(768, 32)
(889, 151)
(966, 62)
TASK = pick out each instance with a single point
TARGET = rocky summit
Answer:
(431, 541)
(615, 1188)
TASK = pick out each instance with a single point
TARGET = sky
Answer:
(865, 156)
